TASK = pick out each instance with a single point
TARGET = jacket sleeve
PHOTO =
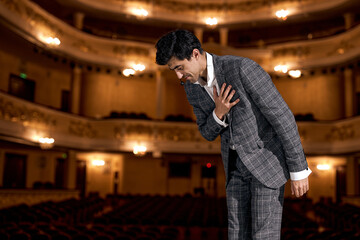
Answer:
(207, 125)
(263, 92)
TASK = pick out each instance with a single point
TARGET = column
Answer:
(357, 91)
(349, 20)
(349, 92)
(2, 166)
(71, 177)
(224, 33)
(79, 20)
(351, 168)
(159, 94)
(76, 81)
(199, 33)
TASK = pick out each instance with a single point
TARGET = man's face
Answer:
(188, 70)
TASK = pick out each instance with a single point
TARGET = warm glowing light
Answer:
(208, 165)
(51, 41)
(45, 142)
(341, 51)
(281, 68)
(282, 14)
(127, 72)
(139, 150)
(139, 67)
(295, 73)
(211, 21)
(323, 167)
(98, 162)
(140, 12)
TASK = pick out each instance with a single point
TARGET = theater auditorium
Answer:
(98, 142)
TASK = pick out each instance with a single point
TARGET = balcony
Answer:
(25, 122)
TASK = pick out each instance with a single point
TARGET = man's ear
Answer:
(196, 53)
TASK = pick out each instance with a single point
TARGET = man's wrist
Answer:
(295, 176)
(220, 117)
(221, 122)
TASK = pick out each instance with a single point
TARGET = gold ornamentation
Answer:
(30, 117)
(342, 133)
(299, 52)
(151, 132)
(81, 44)
(192, 6)
(341, 48)
(82, 129)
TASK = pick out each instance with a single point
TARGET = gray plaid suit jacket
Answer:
(261, 125)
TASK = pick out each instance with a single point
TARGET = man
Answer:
(261, 149)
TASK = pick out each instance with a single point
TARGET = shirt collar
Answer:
(210, 72)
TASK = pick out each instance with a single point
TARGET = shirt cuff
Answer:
(294, 176)
(222, 123)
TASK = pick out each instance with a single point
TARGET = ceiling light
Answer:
(211, 21)
(295, 73)
(282, 14)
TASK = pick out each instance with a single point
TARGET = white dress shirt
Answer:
(208, 86)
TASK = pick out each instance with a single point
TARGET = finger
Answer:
(307, 185)
(222, 89)
(306, 189)
(301, 191)
(296, 190)
(229, 97)
(235, 102)
(227, 91)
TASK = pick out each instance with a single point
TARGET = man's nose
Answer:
(179, 74)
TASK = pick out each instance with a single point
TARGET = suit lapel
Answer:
(204, 94)
(220, 78)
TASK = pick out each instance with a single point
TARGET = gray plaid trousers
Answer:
(254, 210)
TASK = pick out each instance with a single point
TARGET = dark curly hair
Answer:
(179, 43)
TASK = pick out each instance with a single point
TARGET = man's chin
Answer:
(191, 80)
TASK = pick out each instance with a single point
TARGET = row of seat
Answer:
(133, 217)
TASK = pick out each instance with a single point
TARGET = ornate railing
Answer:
(26, 121)
(35, 24)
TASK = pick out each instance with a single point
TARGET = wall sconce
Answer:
(295, 73)
(98, 162)
(323, 167)
(46, 143)
(139, 67)
(211, 21)
(140, 12)
(127, 72)
(281, 68)
(139, 150)
(282, 14)
(52, 41)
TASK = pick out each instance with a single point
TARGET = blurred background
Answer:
(98, 142)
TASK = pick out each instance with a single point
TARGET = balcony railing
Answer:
(26, 122)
